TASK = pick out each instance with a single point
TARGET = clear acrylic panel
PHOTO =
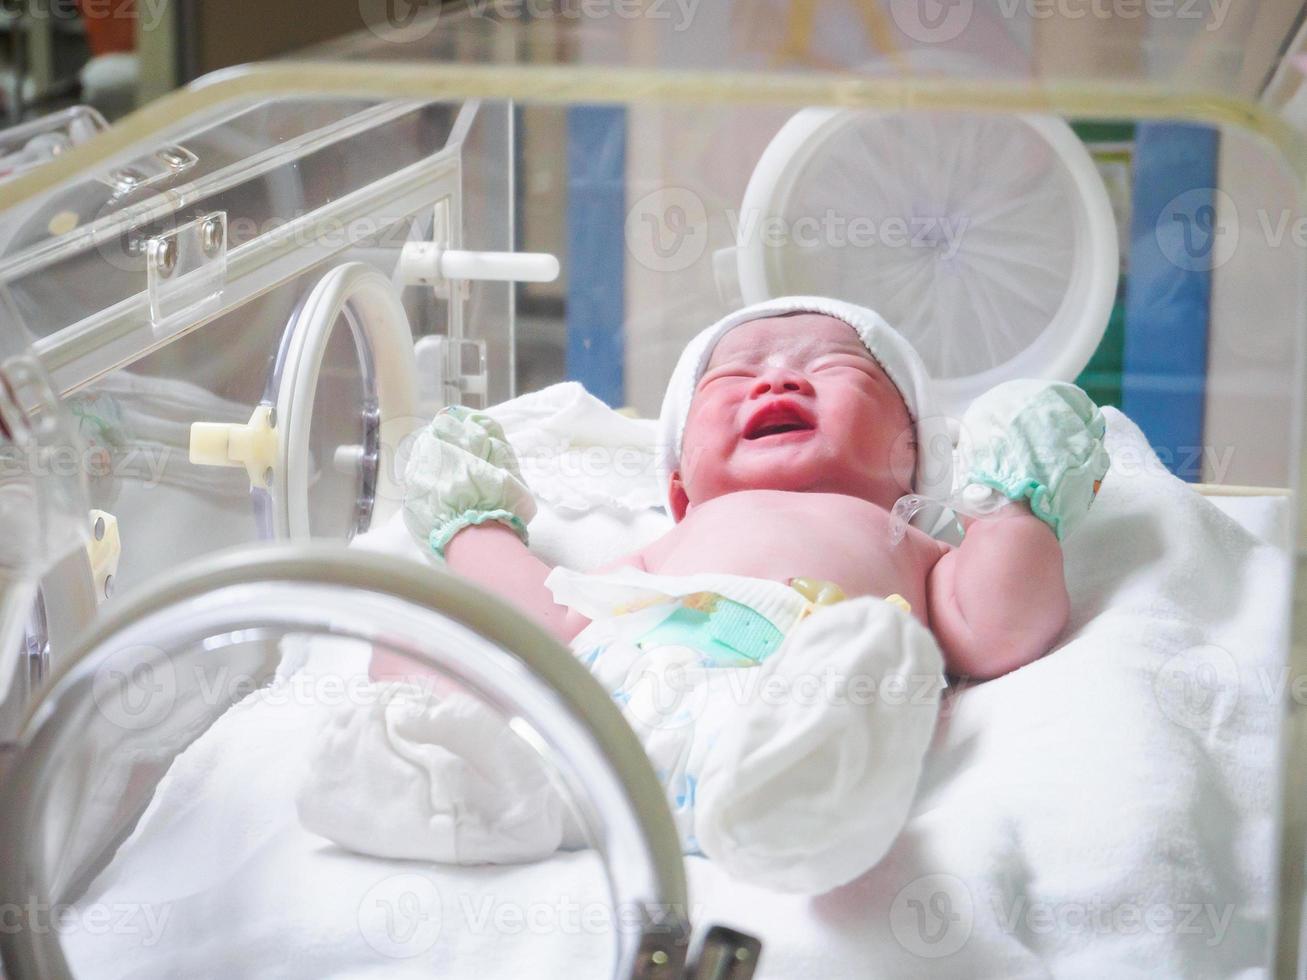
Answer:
(259, 680)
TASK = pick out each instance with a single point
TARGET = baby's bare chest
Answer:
(779, 536)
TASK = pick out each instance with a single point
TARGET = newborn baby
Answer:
(795, 447)
(791, 430)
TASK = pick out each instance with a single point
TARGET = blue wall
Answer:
(596, 274)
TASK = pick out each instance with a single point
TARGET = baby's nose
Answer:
(777, 381)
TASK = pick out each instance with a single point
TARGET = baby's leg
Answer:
(812, 782)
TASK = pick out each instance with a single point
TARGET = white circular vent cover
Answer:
(987, 240)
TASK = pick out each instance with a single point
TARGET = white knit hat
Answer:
(903, 365)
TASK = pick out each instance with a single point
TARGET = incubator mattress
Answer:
(1104, 811)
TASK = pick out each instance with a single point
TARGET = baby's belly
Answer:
(822, 536)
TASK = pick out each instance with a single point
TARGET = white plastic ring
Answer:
(366, 296)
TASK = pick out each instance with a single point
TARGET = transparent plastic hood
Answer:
(239, 343)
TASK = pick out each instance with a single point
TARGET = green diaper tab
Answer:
(728, 633)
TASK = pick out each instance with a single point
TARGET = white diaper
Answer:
(789, 738)
(794, 769)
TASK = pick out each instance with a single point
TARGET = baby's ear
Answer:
(677, 497)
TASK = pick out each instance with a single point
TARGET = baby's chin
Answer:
(792, 479)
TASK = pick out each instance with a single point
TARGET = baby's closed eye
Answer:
(726, 373)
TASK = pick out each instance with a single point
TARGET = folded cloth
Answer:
(414, 773)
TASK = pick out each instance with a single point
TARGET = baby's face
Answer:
(795, 403)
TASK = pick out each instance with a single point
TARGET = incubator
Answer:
(224, 316)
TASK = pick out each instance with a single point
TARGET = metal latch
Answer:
(186, 270)
(161, 165)
(725, 954)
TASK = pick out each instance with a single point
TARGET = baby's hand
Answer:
(462, 472)
(1039, 442)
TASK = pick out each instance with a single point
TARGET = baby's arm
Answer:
(465, 500)
(495, 558)
(999, 600)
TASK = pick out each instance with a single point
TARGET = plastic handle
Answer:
(499, 266)
(252, 445)
(427, 263)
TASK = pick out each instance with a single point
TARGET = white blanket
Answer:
(1106, 811)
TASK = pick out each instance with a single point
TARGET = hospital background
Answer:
(1179, 355)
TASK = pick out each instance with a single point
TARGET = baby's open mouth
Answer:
(777, 418)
